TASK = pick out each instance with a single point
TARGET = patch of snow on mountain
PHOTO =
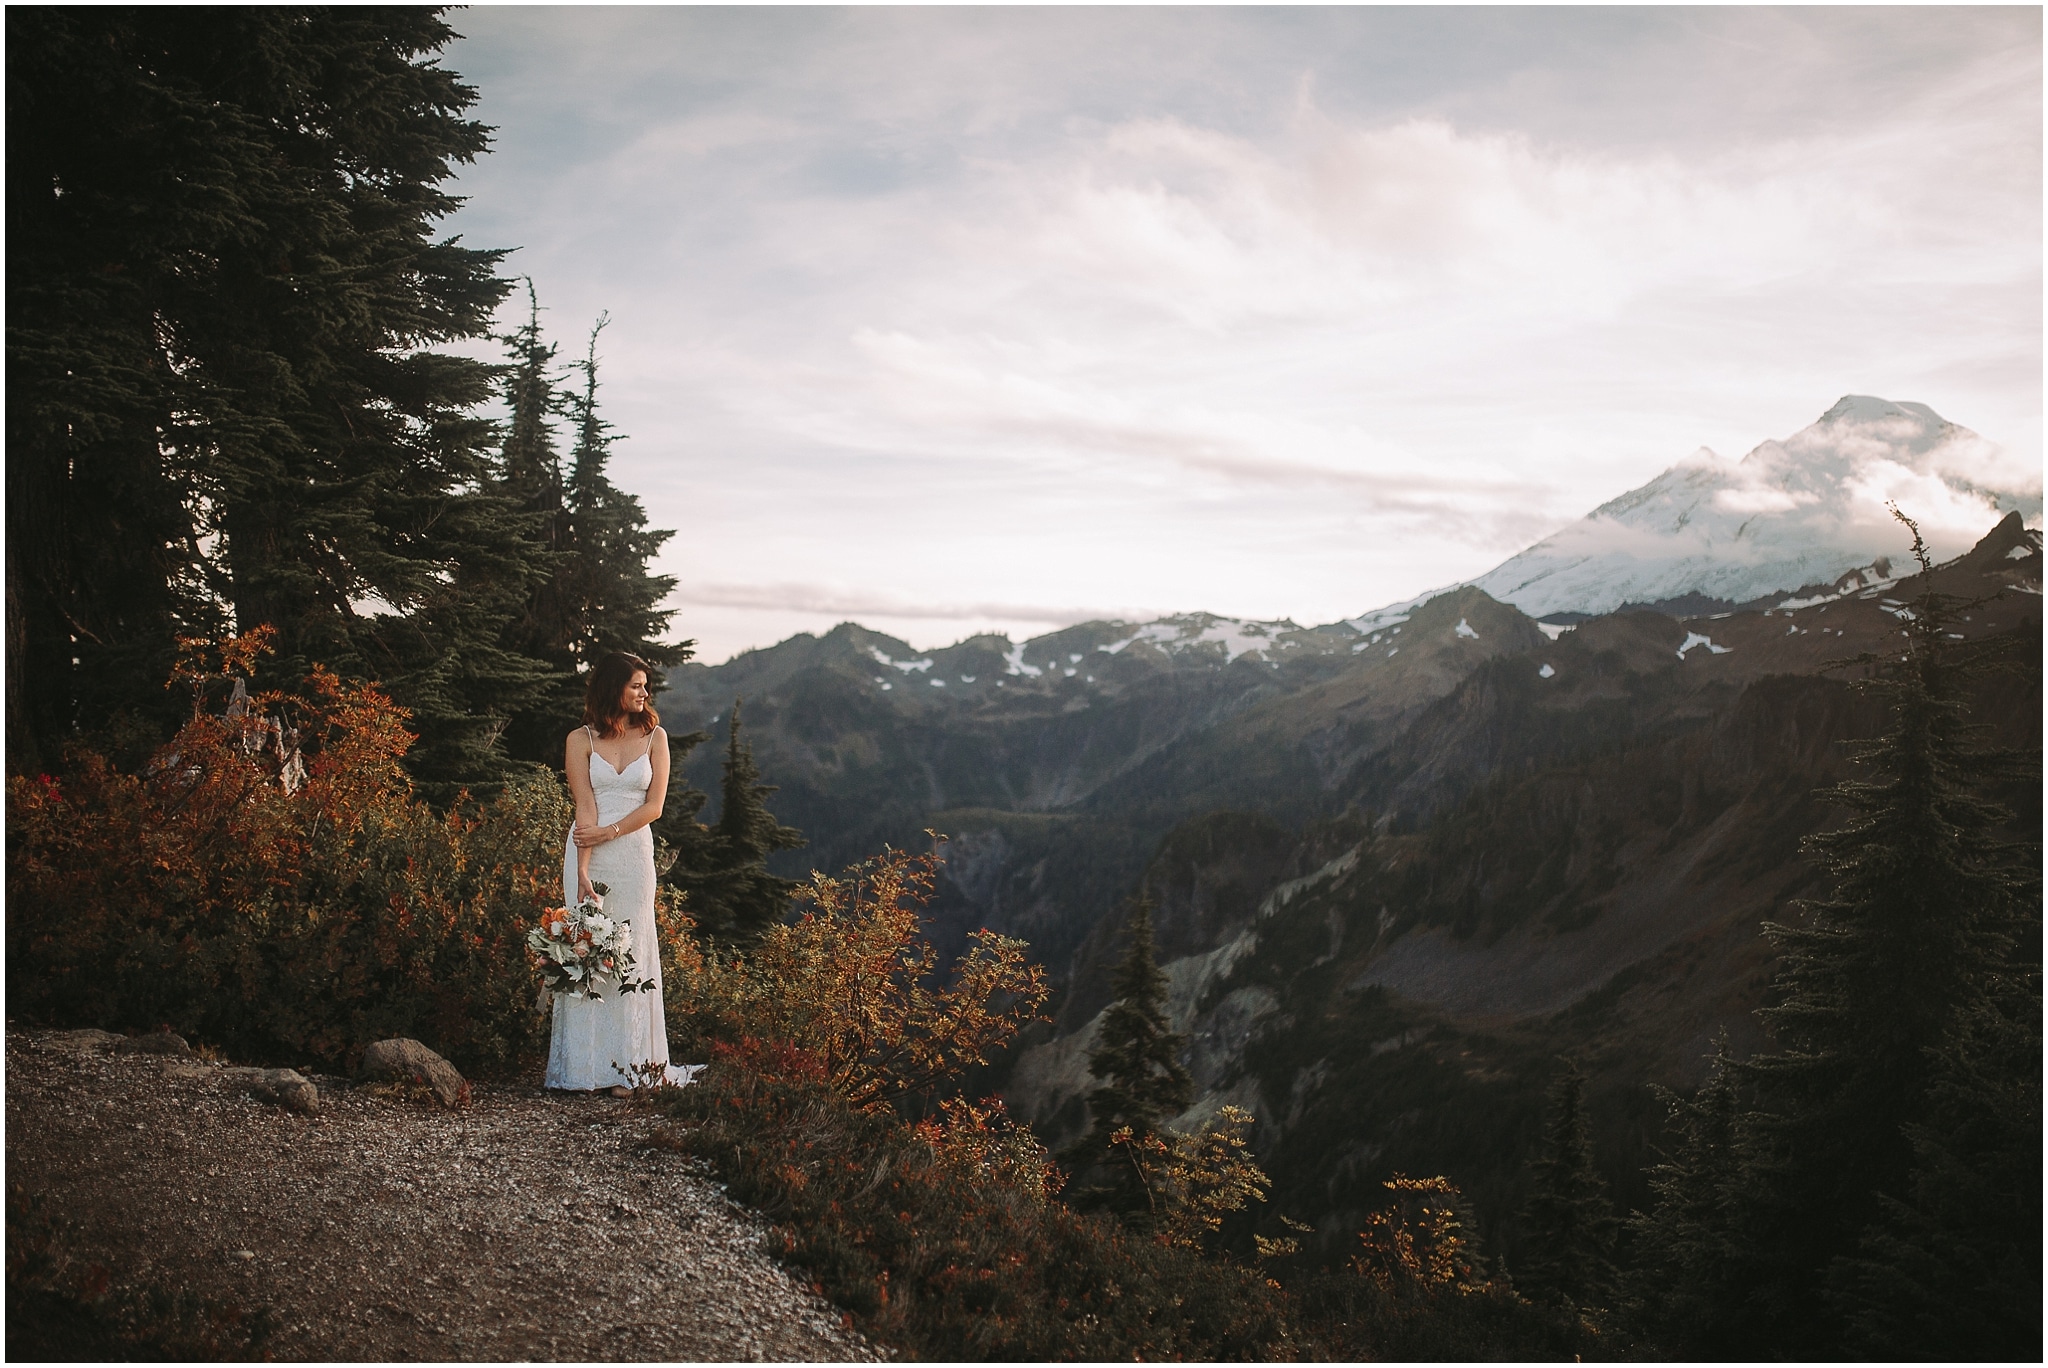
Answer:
(1178, 635)
(1464, 629)
(1545, 673)
(1693, 639)
(1392, 615)
(1554, 630)
(1870, 579)
(904, 665)
(1014, 663)
(1790, 513)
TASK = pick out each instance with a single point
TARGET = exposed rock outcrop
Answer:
(407, 1061)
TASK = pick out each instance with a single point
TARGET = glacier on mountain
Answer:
(1789, 514)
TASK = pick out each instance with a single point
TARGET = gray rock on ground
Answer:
(81, 1042)
(408, 1061)
(288, 1088)
(157, 1042)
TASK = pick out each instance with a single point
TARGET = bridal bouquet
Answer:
(581, 952)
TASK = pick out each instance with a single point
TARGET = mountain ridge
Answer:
(1792, 518)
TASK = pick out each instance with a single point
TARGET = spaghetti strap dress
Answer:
(611, 1041)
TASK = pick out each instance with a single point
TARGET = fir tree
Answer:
(1872, 985)
(617, 602)
(1683, 1244)
(228, 402)
(1952, 1269)
(530, 473)
(1569, 1220)
(1137, 1057)
(724, 867)
(589, 537)
(530, 466)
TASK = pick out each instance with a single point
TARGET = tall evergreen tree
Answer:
(224, 295)
(589, 536)
(618, 601)
(1569, 1218)
(1952, 1267)
(1137, 1057)
(1683, 1243)
(530, 465)
(724, 867)
(530, 474)
(1873, 984)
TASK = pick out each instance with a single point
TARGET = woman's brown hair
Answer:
(608, 680)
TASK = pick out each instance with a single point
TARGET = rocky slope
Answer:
(1402, 860)
(1399, 868)
(1571, 850)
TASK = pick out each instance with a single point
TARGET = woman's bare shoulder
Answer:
(579, 737)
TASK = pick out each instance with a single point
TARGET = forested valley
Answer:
(1309, 1004)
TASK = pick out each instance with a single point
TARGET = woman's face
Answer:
(634, 699)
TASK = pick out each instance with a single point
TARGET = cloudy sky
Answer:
(950, 320)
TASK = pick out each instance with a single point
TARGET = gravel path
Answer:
(529, 1226)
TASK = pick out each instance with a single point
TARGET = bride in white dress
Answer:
(617, 764)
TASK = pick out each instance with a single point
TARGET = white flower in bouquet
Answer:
(581, 952)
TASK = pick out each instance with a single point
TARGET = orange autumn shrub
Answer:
(854, 984)
(270, 884)
(984, 1144)
(1418, 1239)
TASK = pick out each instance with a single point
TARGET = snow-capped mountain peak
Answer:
(1791, 513)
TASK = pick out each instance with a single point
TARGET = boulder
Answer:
(408, 1061)
(287, 1088)
(157, 1042)
(81, 1042)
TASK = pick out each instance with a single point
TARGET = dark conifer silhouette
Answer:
(617, 602)
(1952, 1268)
(1885, 1041)
(228, 399)
(1569, 1218)
(589, 537)
(530, 470)
(1682, 1244)
(723, 868)
(1873, 980)
(1137, 1057)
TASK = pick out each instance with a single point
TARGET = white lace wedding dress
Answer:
(604, 1043)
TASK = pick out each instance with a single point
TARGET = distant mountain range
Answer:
(1401, 861)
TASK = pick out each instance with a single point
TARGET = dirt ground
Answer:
(527, 1226)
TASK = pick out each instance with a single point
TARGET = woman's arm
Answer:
(657, 796)
(576, 763)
